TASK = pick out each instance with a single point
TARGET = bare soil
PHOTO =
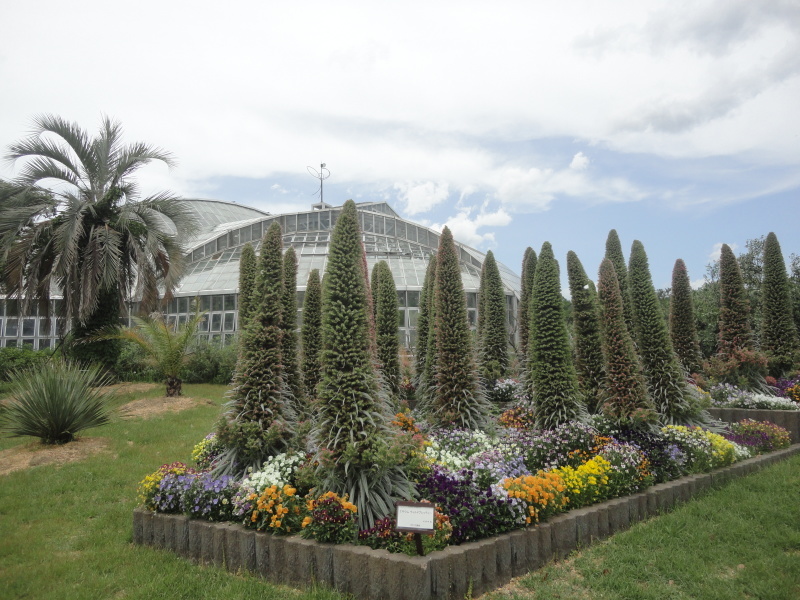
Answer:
(150, 407)
(35, 454)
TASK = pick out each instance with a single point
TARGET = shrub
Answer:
(20, 359)
(725, 395)
(56, 400)
(133, 364)
(505, 391)
(758, 436)
(211, 363)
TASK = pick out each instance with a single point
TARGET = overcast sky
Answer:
(513, 123)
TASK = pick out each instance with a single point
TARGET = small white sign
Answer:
(415, 516)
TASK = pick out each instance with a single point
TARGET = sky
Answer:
(513, 123)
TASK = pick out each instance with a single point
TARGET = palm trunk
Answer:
(173, 386)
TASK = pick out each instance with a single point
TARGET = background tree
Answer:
(91, 235)
(493, 341)
(351, 426)
(778, 334)
(589, 361)
(555, 393)
(617, 258)
(625, 394)
(523, 318)
(259, 422)
(682, 329)
(386, 307)
(291, 368)
(247, 282)
(312, 335)
(459, 401)
(665, 379)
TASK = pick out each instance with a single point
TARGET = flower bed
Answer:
(473, 567)
(788, 419)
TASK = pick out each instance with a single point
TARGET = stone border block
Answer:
(519, 553)
(564, 535)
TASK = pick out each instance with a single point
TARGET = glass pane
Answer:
(379, 224)
(210, 248)
(401, 298)
(12, 327)
(389, 226)
(401, 317)
(401, 229)
(325, 220)
(203, 324)
(233, 238)
(27, 344)
(229, 321)
(413, 298)
(216, 321)
(28, 327)
(313, 221)
(205, 302)
(412, 317)
(472, 317)
(222, 243)
(12, 308)
(300, 298)
(216, 303)
(290, 224)
(245, 235)
(302, 222)
(44, 344)
(255, 232)
(230, 302)
(44, 327)
(10, 343)
(183, 305)
(472, 300)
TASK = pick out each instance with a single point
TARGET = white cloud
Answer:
(277, 187)
(579, 162)
(422, 197)
(465, 229)
(698, 283)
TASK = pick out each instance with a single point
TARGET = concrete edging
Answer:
(472, 568)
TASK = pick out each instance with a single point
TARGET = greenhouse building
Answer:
(212, 273)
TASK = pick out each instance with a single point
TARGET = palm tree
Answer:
(90, 237)
(167, 346)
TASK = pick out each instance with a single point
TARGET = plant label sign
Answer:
(415, 517)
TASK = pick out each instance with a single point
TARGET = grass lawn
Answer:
(65, 531)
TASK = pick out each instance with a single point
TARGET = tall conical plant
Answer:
(493, 337)
(589, 362)
(425, 337)
(291, 367)
(386, 307)
(665, 379)
(778, 334)
(311, 335)
(351, 426)
(526, 283)
(459, 400)
(258, 422)
(617, 258)
(555, 393)
(682, 326)
(625, 394)
(247, 282)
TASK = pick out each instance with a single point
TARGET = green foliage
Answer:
(555, 393)
(104, 352)
(311, 335)
(386, 306)
(459, 401)
(682, 329)
(779, 339)
(625, 391)
(259, 420)
(210, 363)
(666, 381)
(588, 342)
(523, 318)
(352, 419)
(166, 346)
(247, 282)
(56, 400)
(291, 368)
(493, 336)
(617, 258)
(20, 359)
(426, 337)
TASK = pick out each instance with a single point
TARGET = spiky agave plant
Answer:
(56, 400)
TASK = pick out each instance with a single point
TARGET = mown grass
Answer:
(65, 532)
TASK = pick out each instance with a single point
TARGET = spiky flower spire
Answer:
(291, 368)
(682, 327)
(617, 258)
(588, 343)
(493, 334)
(555, 393)
(734, 328)
(247, 282)
(426, 344)
(386, 306)
(778, 334)
(312, 335)
(523, 318)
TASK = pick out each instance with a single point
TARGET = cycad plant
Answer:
(555, 393)
(351, 426)
(778, 334)
(588, 343)
(167, 346)
(56, 400)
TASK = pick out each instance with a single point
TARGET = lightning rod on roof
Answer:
(322, 175)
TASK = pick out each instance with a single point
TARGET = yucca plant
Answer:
(56, 400)
(167, 346)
